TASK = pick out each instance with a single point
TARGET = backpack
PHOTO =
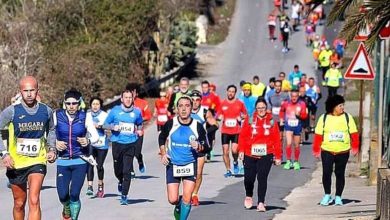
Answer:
(346, 118)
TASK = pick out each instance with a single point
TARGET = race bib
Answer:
(126, 128)
(259, 150)
(183, 171)
(336, 136)
(275, 110)
(295, 81)
(292, 122)
(28, 147)
(230, 123)
(162, 118)
(101, 141)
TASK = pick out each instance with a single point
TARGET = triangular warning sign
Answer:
(360, 66)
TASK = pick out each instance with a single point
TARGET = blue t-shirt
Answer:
(249, 103)
(127, 121)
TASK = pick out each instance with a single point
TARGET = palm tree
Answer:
(361, 13)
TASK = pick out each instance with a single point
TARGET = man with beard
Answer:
(231, 113)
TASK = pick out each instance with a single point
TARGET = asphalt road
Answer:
(245, 53)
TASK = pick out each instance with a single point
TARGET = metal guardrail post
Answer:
(383, 194)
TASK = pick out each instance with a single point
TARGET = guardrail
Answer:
(383, 194)
(161, 82)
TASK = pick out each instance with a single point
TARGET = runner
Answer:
(231, 112)
(309, 105)
(100, 149)
(314, 92)
(249, 100)
(183, 90)
(125, 123)
(333, 79)
(324, 59)
(295, 11)
(292, 113)
(286, 86)
(142, 105)
(210, 101)
(161, 110)
(316, 49)
(186, 137)
(284, 30)
(257, 88)
(310, 29)
(303, 82)
(73, 126)
(335, 135)
(275, 103)
(205, 117)
(26, 165)
(271, 21)
(270, 89)
(259, 146)
(295, 77)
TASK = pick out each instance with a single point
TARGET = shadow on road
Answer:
(346, 201)
(210, 203)
(146, 177)
(270, 207)
(48, 187)
(135, 201)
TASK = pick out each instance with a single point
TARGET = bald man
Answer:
(29, 122)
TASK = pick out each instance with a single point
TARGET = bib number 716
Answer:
(28, 147)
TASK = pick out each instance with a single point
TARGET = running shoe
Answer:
(248, 202)
(236, 169)
(120, 187)
(100, 192)
(228, 174)
(89, 191)
(66, 217)
(296, 165)
(287, 165)
(142, 168)
(211, 154)
(242, 172)
(260, 207)
(195, 200)
(124, 200)
(132, 175)
(338, 201)
(89, 159)
(326, 200)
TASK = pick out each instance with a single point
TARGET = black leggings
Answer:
(260, 167)
(100, 156)
(340, 164)
(123, 156)
(332, 91)
(138, 151)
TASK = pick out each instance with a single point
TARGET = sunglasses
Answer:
(71, 103)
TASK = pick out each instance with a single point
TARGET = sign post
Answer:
(361, 69)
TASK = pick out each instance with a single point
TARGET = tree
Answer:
(360, 14)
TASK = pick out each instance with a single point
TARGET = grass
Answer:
(218, 32)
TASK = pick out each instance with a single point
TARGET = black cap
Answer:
(196, 93)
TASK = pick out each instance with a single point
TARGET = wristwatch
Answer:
(3, 153)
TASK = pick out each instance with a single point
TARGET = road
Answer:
(246, 52)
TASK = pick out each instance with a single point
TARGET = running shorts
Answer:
(227, 138)
(20, 176)
(171, 179)
(296, 130)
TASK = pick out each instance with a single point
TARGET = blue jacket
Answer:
(69, 131)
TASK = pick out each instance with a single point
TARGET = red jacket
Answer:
(261, 131)
(143, 106)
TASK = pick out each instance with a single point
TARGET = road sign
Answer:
(363, 34)
(360, 66)
(385, 32)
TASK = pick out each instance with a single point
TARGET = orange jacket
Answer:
(262, 131)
